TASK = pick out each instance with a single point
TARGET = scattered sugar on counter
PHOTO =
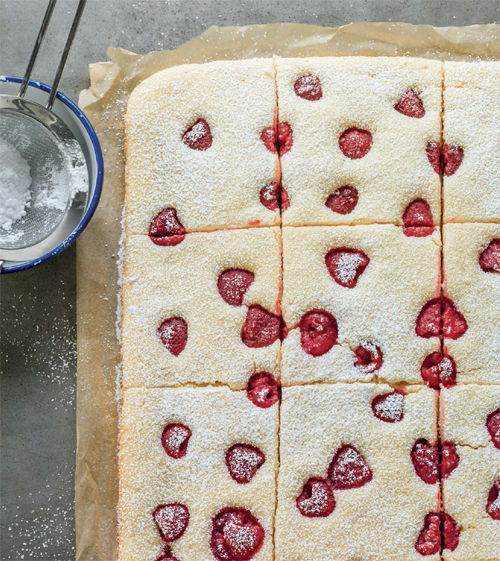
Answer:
(15, 181)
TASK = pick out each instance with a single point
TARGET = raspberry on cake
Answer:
(204, 311)
(351, 296)
(476, 294)
(362, 124)
(469, 490)
(471, 182)
(347, 488)
(193, 146)
(217, 500)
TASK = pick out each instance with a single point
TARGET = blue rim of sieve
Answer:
(97, 184)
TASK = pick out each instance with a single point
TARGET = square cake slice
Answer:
(205, 311)
(353, 481)
(471, 146)
(197, 475)
(352, 299)
(470, 425)
(194, 147)
(357, 136)
(472, 286)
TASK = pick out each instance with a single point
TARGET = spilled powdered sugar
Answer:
(119, 308)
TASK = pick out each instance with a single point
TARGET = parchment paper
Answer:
(98, 290)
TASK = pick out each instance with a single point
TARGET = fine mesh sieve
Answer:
(56, 160)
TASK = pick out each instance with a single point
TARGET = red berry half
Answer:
(198, 136)
(243, 461)
(355, 143)
(489, 260)
(493, 502)
(171, 520)
(263, 389)
(449, 459)
(343, 200)
(388, 407)
(261, 328)
(433, 150)
(318, 332)
(425, 459)
(411, 105)
(236, 535)
(165, 228)
(417, 219)
(308, 87)
(451, 533)
(316, 499)
(452, 158)
(173, 333)
(174, 439)
(233, 285)
(285, 138)
(345, 265)
(429, 539)
(493, 427)
(348, 469)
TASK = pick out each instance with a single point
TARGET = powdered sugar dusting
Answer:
(347, 265)
(15, 181)
(348, 469)
(390, 407)
(241, 538)
(494, 507)
(316, 502)
(196, 132)
(316, 499)
(176, 436)
(167, 333)
(375, 356)
(62, 184)
(172, 520)
(308, 87)
(243, 461)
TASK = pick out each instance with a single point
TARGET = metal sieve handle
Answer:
(67, 47)
(36, 48)
(64, 56)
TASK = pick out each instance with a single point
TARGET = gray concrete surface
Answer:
(37, 319)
